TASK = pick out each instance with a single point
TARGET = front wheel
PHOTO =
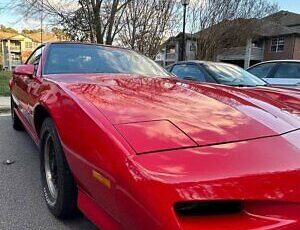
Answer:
(59, 188)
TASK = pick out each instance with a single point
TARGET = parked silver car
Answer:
(279, 72)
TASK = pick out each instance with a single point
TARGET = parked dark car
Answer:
(280, 72)
(214, 72)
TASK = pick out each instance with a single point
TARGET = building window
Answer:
(28, 45)
(277, 44)
(193, 47)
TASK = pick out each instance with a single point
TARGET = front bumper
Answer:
(263, 174)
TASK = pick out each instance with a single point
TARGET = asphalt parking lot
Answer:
(21, 202)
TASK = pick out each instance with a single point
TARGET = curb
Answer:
(4, 110)
(4, 104)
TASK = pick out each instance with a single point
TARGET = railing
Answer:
(190, 55)
(6, 63)
(15, 63)
(257, 53)
(239, 53)
(15, 49)
(170, 56)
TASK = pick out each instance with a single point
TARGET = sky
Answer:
(12, 19)
(290, 5)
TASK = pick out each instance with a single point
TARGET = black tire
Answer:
(63, 205)
(16, 122)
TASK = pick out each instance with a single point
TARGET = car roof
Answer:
(85, 43)
(196, 62)
(275, 61)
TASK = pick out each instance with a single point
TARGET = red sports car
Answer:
(135, 148)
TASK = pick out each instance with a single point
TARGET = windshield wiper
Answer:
(242, 85)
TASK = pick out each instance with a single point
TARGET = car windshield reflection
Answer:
(83, 58)
(232, 75)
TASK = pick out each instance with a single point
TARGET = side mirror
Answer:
(27, 70)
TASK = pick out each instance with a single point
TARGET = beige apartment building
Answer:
(15, 48)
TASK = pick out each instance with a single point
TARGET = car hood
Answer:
(206, 113)
(288, 98)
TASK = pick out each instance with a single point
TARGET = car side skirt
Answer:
(27, 127)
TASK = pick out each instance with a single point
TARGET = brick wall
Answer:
(297, 48)
(287, 53)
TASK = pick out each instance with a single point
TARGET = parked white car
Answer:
(279, 72)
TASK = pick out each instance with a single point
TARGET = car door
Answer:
(33, 83)
(263, 71)
(287, 73)
(189, 72)
(24, 85)
(18, 92)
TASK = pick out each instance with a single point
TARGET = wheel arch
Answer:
(39, 115)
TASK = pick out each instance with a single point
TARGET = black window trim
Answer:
(36, 69)
(40, 46)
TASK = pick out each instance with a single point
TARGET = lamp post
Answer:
(184, 3)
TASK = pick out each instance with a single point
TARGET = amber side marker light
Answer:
(205, 208)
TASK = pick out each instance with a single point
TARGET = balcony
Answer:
(239, 53)
(16, 49)
(170, 56)
(257, 53)
(190, 55)
(16, 62)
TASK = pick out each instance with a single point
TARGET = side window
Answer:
(262, 70)
(288, 70)
(35, 57)
(188, 71)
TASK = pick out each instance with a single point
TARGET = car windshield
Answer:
(85, 58)
(232, 75)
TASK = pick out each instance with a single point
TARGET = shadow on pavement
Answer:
(21, 199)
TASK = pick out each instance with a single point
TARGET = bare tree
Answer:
(143, 24)
(104, 16)
(139, 24)
(94, 20)
(147, 23)
(223, 23)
